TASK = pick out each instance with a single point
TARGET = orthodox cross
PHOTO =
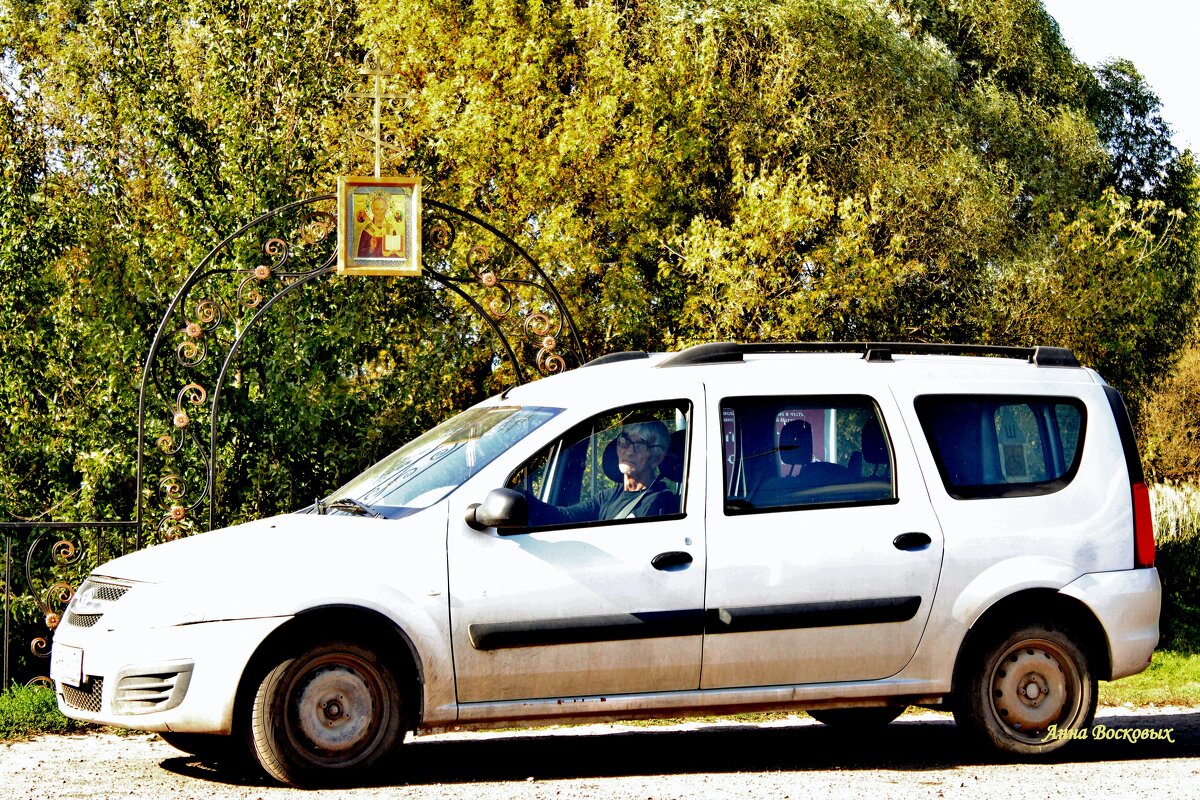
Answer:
(376, 71)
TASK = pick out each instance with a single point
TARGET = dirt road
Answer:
(919, 756)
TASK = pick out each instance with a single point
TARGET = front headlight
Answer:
(96, 596)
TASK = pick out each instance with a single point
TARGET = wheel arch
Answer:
(1042, 606)
(341, 622)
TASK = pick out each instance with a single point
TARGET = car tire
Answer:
(328, 714)
(1028, 693)
(874, 717)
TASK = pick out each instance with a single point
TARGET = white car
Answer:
(848, 529)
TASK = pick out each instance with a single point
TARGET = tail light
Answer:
(1143, 527)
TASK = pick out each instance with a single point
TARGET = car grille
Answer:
(102, 592)
(148, 692)
(86, 697)
(109, 592)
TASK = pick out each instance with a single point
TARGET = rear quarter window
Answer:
(1003, 445)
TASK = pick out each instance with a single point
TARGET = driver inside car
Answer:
(642, 491)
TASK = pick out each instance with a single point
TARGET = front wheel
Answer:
(1028, 693)
(330, 712)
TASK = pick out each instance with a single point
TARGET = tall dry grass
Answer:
(1177, 541)
(1176, 511)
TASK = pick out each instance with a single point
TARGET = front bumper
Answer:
(181, 678)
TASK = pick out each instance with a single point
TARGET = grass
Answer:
(1173, 679)
(30, 710)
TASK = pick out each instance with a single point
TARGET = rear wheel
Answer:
(874, 717)
(1028, 693)
(330, 713)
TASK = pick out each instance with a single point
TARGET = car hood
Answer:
(286, 544)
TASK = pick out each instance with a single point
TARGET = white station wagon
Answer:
(847, 529)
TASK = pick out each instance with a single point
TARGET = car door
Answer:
(824, 553)
(584, 607)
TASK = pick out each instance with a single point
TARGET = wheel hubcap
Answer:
(1035, 685)
(336, 707)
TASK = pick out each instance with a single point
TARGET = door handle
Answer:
(671, 560)
(912, 541)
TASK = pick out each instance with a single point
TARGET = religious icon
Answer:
(379, 227)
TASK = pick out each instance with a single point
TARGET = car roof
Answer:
(946, 366)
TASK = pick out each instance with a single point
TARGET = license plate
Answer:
(66, 664)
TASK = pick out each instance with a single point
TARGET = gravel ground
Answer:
(919, 756)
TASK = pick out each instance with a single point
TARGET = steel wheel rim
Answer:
(1033, 686)
(336, 708)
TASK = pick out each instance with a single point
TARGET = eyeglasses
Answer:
(638, 447)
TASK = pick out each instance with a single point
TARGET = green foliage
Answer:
(31, 710)
(1130, 124)
(1101, 282)
(685, 171)
(1011, 43)
(137, 134)
(805, 169)
(1170, 432)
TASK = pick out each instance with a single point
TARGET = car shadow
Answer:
(921, 743)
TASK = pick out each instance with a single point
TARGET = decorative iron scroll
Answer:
(206, 323)
(58, 557)
(236, 284)
(54, 593)
(247, 273)
(497, 278)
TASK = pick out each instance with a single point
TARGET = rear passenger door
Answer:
(824, 552)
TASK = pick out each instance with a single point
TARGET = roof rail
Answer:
(733, 352)
(612, 358)
(708, 353)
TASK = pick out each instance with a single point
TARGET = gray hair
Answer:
(652, 432)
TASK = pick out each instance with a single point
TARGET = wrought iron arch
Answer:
(226, 295)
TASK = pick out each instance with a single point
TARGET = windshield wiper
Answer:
(352, 506)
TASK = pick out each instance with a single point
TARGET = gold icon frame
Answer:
(379, 226)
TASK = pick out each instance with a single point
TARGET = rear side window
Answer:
(1003, 446)
(792, 452)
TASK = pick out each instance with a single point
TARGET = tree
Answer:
(685, 171)
(1130, 124)
(137, 134)
(1171, 423)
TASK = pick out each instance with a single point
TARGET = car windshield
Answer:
(437, 462)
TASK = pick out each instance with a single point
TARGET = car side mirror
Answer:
(502, 508)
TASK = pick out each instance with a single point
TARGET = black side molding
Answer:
(582, 630)
(689, 622)
(810, 615)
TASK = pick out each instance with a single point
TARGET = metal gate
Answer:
(189, 363)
